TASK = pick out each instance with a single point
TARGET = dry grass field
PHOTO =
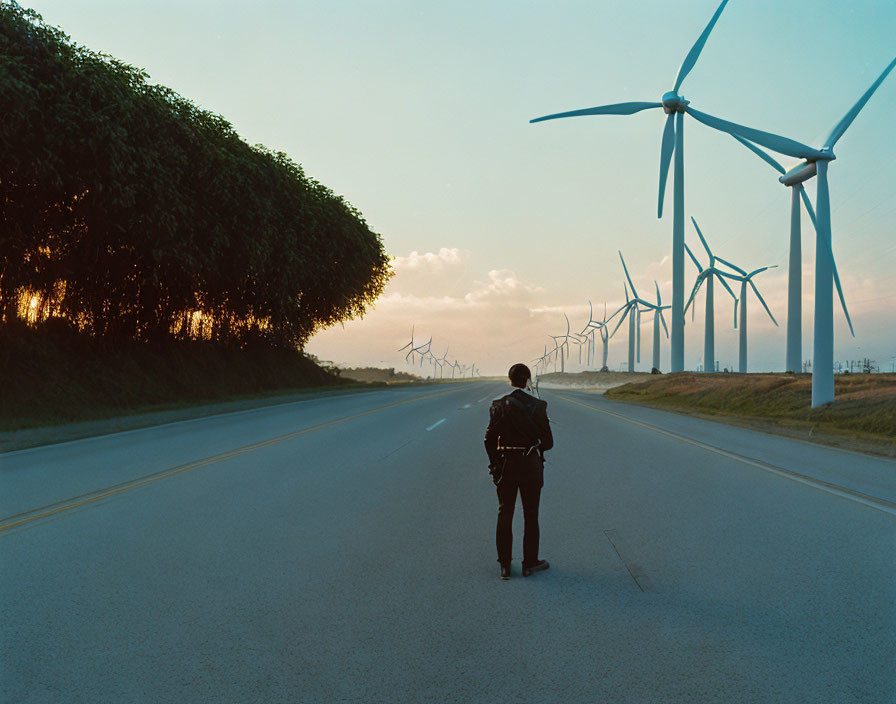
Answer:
(862, 417)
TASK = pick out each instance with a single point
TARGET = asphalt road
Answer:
(342, 549)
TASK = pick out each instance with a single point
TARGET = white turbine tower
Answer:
(675, 107)
(794, 352)
(745, 279)
(706, 276)
(815, 163)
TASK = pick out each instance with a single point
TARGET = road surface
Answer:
(342, 549)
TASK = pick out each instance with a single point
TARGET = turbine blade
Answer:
(735, 314)
(761, 269)
(811, 211)
(762, 301)
(693, 294)
(771, 141)
(626, 308)
(663, 321)
(659, 301)
(841, 127)
(840, 293)
(808, 204)
(727, 287)
(614, 109)
(697, 285)
(765, 156)
(700, 235)
(730, 265)
(693, 258)
(665, 159)
(694, 53)
(625, 268)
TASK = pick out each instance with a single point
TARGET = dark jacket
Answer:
(507, 428)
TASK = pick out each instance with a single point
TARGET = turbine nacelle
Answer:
(799, 173)
(673, 102)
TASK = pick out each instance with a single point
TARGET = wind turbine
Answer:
(565, 344)
(657, 309)
(422, 350)
(444, 361)
(744, 279)
(675, 107)
(794, 353)
(409, 347)
(604, 336)
(657, 319)
(626, 310)
(706, 276)
(590, 328)
(428, 355)
(815, 163)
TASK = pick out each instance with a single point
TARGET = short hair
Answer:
(519, 374)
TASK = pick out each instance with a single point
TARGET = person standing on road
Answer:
(518, 435)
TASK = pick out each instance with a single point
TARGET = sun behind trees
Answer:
(134, 214)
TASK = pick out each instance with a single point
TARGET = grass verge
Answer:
(862, 416)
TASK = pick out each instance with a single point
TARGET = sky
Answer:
(417, 112)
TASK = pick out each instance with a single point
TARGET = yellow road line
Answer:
(215, 459)
(841, 491)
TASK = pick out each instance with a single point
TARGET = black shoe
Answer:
(505, 571)
(537, 567)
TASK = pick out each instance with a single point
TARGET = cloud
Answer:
(430, 261)
(481, 318)
(502, 285)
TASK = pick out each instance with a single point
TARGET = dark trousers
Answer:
(523, 474)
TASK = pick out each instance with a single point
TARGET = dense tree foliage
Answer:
(133, 213)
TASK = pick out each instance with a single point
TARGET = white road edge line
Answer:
(436, 424)
(842, 492)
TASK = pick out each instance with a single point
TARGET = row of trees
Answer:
(131, 212)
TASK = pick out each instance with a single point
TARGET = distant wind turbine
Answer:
(675, 107)
(409, 347)
(657, 309)
(744, 279)
(626, 310)
(707, 276)
(565, 344)
(422, 350)
(604, 334)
